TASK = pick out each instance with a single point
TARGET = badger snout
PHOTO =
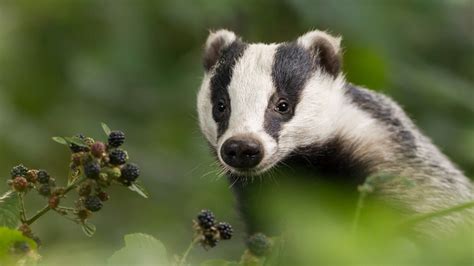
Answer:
(242, 152)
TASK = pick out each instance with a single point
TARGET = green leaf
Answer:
(137, 187)
(76, 140)
(140, 249)
(60, 140)
(8, 239)
(106, 129)
(89, 229)
(9, 210)
(218, 262)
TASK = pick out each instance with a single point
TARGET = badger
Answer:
(263, 105)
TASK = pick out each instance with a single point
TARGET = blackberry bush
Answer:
(225, 231)
(94, 167)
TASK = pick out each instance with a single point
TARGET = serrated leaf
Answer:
(140, 249)
(9, 210)
(60, 140)
(106, 129)
(89, 229)
(76, 140)
(138, 188)
(218, 262)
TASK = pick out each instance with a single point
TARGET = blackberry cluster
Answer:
(209, 231)
(94, 167)
(259, 244)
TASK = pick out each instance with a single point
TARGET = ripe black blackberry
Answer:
(93, 203)
(225, 231)
(76, 148)
(258, 244)
(44, 190)
(206, 219)
(130, 172)
(116, 138)
(19, 170)
(118, 157)
(209, 241)
(43, 177)
(92, 169)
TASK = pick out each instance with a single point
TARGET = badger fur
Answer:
(261, 105)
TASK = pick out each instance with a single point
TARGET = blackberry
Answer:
(93, 203)
(19, 170)
(206, 219)
(118, 157)
(258, 244)
(209, 241)
(43, 177)
(98, 149)
(53, 202)
(32, 176)
(103, 196)
(76, 148)
(130, 172)
(92, 169)
(225, 230)
(116, 138)
(44, 190)
(83, 214)
(20, 184)
(85, 189)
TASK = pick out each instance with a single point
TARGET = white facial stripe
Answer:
(204, 105)
(250, 90)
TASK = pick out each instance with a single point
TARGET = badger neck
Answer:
(368, 135)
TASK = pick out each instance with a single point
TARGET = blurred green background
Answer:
(65, 66)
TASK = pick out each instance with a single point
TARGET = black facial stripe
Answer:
(292, 67)
(221, 80)
(375, 105)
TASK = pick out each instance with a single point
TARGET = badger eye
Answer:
(282, 107)
(221, 106)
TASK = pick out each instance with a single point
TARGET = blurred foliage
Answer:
(67, 65)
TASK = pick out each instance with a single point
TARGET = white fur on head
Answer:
(216, 41)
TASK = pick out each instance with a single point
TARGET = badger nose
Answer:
(242, 152)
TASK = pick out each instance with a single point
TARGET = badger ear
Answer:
(325, 48)
(216, 42)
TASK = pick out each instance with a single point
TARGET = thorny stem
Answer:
(47, 208)
(186, 253)
(426, 216)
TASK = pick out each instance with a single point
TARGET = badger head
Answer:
(260, 102)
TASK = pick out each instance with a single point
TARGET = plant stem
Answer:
(186, 253)
(47, 208)
(360, 205)
(22, 207)
(426, 216)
